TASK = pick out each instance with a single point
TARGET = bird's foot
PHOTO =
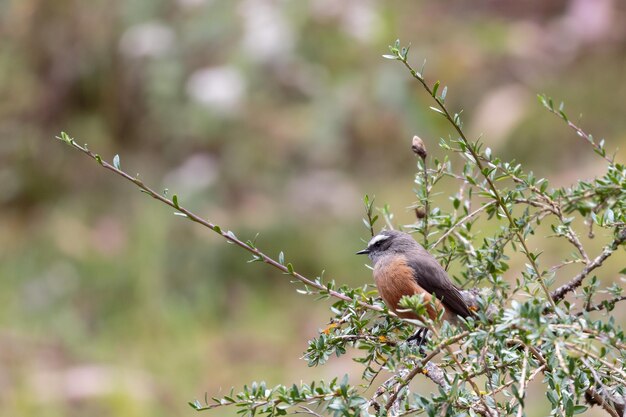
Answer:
(418, 339)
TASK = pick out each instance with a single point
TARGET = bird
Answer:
(403, 267)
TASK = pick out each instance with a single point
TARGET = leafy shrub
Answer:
(523, 330)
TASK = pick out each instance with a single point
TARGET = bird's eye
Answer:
(377, 241)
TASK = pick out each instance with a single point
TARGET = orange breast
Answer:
(394, 279)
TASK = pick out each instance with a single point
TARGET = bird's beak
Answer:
(363, 252)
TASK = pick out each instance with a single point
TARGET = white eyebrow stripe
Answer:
(376, 239)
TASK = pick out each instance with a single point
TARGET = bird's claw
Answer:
(418, 339)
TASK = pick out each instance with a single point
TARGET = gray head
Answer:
(390, 242)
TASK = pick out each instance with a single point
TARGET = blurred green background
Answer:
(264, 116)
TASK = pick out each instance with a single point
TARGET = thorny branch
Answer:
(606, 304)
(560, 292)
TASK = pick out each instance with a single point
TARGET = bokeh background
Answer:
(269, 117)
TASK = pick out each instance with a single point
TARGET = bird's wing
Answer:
(434, 279)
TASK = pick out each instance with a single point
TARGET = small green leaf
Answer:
(98, 158)
(579, 409)
(116, 161)
(217, 229)
(175, 201)
(290, 268)
(435, 88)
(435, 109)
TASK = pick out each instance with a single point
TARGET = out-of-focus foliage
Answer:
(517, 332)
(266, 116)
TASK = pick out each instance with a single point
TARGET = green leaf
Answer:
(175, 201)
(552, 398)
(195, 405)
(116, 161)
(435, 109)
(579, 409)
(65, 138)
(290, 268)
(435, 88)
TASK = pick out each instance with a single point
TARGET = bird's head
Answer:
(389, 242)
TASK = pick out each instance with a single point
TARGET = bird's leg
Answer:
(418, 338)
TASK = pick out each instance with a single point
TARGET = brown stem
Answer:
(227, 235)
(461, 221)
(604, 304)
(496, 193)
(580, 133)
(560, 292)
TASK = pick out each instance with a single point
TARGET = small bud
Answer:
(420, 213)
(418, 147)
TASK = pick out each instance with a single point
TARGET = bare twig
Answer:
(511, 382)
(595, 396)
(307, 410)
(560, 292)
(603, 304)
(613, 409)
(228, 235)
(564, 263)
(577, 129)
(419, 148)
(522, 390)
(559, 356)
(420, 367)
(592, 355)
(461, 221)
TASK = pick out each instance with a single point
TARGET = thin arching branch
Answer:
(228, 235)
(575, 282)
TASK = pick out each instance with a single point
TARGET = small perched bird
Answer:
(403, 267)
